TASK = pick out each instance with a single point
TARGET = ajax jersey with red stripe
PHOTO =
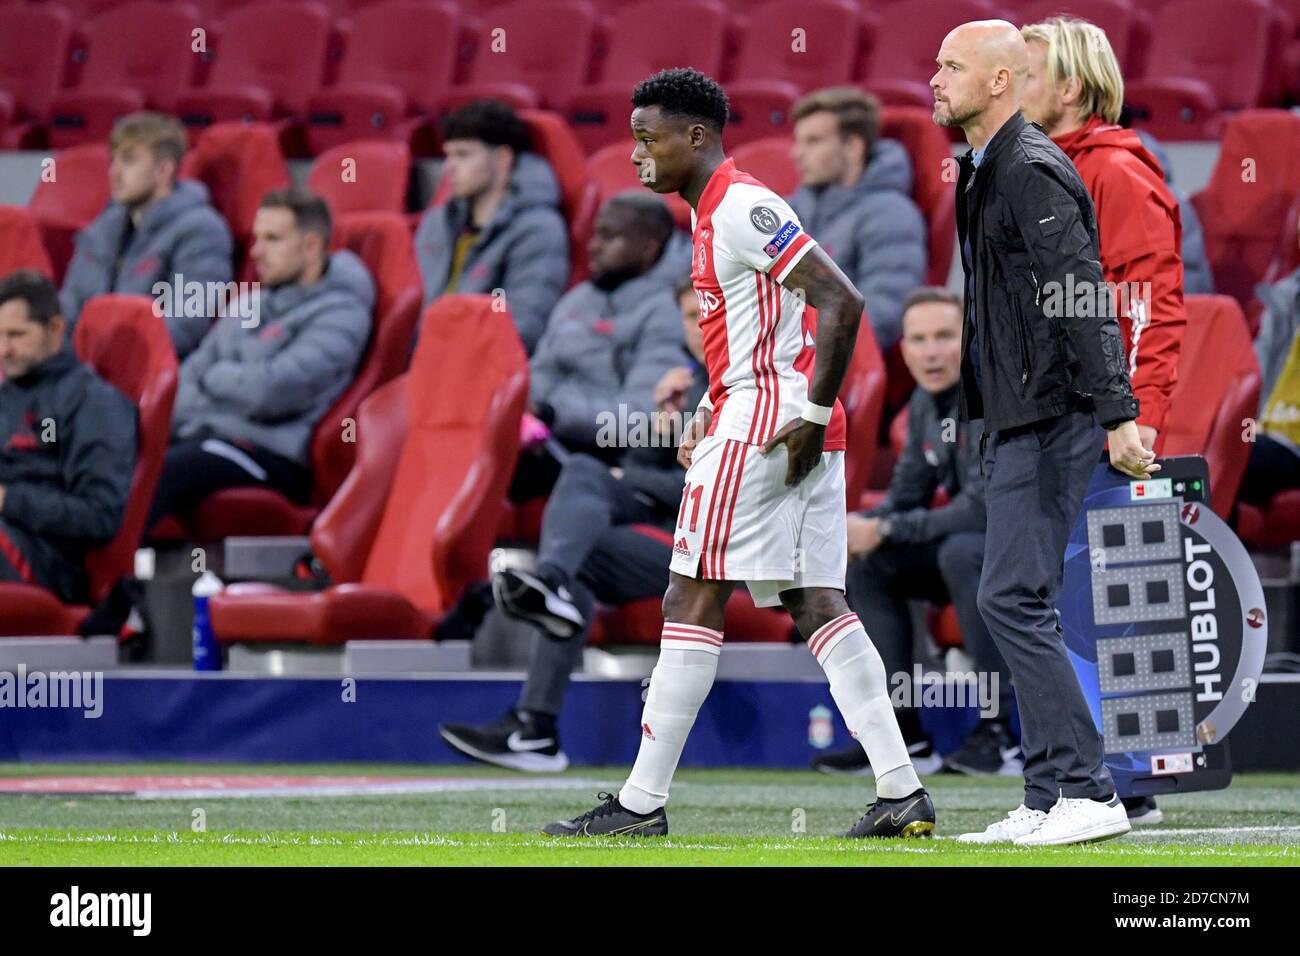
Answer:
(758, 336)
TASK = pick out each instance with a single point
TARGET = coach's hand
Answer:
(1129, 454)
(803, 442)
(695, 430)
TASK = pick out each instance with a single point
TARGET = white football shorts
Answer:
(739, 522)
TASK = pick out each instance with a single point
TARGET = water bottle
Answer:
(207, 654)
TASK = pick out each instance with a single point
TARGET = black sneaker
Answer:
(909, 816)
(1143, 812)
(515, 741)
(853, 760)
(990, 750)
(611, 818)
(525, 596)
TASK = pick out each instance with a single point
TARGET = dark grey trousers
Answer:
(880, 583)
(586, 531)
(1036, 478)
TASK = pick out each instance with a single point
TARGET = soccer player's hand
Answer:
(696, 429)
(803, 441)
(1129, 454)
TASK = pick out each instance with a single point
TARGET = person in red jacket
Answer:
(1075, 91)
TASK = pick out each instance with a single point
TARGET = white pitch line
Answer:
(1159, 831)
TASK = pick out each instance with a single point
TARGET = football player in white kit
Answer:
(764, 499)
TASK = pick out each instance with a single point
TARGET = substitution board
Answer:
(1164, 619)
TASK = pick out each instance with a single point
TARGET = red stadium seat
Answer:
(863, 397)
(413, 524)
(911, 31)
(20, 242)
(1285, 261)
(33, 53)
(1274, 527)
(120, 338)
(638, 47)
(399, 62)
(71, 192)
(530, 54)
(1243, 209)
(383, 243)
(770, 162)
(365, 176)
(934, 174)
(1218, 389)
(239, 163)
(138, 55)
(611, 169)
(271, 60)
(776, 62)
(1192, 73)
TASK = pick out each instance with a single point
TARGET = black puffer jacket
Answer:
(67, 454)
(1032, 232)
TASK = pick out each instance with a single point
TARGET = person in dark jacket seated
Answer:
(856, 198)
(502, 231)
(608, 341)
(903, 548)
(252, 394)
(589, 552)
(156, 229)
(69, 445)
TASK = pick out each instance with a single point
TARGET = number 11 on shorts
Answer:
(687, 494)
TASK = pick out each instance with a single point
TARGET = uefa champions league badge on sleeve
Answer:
(1164, 619)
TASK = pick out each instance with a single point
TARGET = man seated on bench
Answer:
(69, 445)
(251, 395)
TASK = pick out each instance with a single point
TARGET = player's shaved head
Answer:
(983, 66)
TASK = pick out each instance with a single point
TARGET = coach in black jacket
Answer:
(69, 445)
(1043, 365)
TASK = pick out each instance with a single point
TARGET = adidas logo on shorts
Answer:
(682, 548)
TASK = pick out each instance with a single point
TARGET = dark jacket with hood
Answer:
(523, 249)
(68, 456)
(178, 235)
(939, 453)
(874, 232)
(1047, 343)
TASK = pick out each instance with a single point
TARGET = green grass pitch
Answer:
(717, 817)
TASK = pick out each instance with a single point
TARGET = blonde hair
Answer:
(1077, 48)
(163, 135)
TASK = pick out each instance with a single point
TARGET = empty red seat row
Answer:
(405, 61)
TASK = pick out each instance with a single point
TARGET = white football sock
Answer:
(859, 688)
(688, 660)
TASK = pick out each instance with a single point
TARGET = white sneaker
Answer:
(1079, 820)
(1019, 822)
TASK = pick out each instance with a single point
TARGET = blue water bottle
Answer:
(207, 654)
